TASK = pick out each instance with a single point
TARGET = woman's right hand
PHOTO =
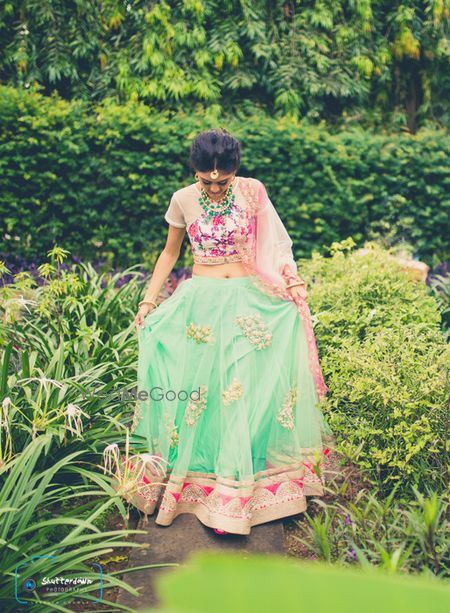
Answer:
(144, 309)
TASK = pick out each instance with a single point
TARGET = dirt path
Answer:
(175, 543)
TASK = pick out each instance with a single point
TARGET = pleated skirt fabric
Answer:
(227, 405)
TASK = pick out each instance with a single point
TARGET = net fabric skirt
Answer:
(228, 402)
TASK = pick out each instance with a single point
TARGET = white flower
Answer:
(155, 462)
(5, 404)
(44, 381)
(21, 301)
(73, 412)
(111, 452)
(4, 417)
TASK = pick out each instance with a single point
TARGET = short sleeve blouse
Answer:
(174, 214)
(212, 240)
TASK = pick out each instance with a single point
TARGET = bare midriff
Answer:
(225, 271)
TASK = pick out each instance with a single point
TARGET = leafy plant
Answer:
(370, 531)
(27, 539)
(440, 286)
(386, 362)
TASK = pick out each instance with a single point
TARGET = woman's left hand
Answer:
(298, 292)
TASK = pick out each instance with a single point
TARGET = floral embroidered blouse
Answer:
(213, 240)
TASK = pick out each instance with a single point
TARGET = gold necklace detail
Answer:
(222, 206)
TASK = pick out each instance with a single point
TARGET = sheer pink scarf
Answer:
(267, 254)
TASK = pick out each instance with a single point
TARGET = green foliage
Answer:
(386, 362)
(27, 531)
(334, 59)
(67, 348)
(100, 182)
(387, 533)
(66, 358)
(440, 286)
(236, 582)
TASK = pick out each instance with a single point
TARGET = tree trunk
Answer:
(413, 95)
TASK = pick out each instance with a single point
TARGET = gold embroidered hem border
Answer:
(224, 503)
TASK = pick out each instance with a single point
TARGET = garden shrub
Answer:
(385, 360)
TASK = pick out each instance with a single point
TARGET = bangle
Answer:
(297, 280)
(147, 302)
(295, 284)
(290, 276)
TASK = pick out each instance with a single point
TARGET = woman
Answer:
(229, 381)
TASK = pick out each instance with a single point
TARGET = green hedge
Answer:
(98, 180)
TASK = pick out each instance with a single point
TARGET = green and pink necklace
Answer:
(221, 207)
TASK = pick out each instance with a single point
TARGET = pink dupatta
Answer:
(267, 254)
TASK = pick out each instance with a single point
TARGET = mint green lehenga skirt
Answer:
(229, 407)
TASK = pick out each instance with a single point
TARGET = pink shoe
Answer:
(219, 531)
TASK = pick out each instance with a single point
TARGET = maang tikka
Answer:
(214, 173)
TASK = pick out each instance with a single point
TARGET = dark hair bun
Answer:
(215, 148)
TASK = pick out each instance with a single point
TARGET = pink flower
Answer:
(217, 220)
(193, 228)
